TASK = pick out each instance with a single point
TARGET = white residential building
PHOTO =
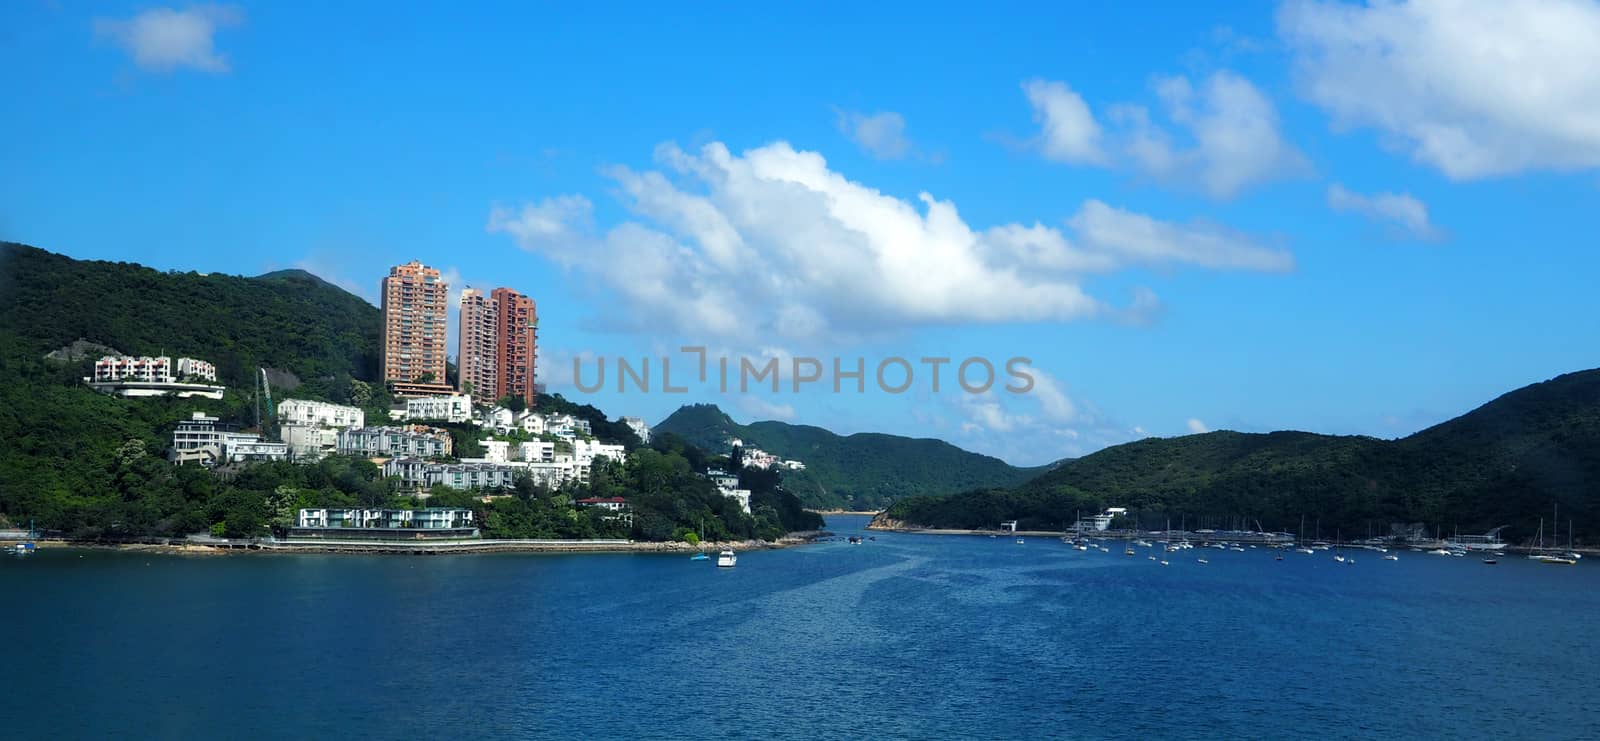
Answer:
(536, 451)
(637, 424)
(431, 518)
(309, 442)
(454, 408)
(146, 376)
(500, 419)
(197, 440)
(320, 413)
(743, 495)
(728, 484)
(496, 450)
(531, 422)
(480, 474)
(413, 441)
(194, 368)
(200, 439)
(566, 425)
(585, 451)
(158, 369)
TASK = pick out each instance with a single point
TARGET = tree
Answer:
(426, 377)
(513, 402)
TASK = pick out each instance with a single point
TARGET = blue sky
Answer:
(1253, 216)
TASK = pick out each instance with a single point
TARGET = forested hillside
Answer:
(860, 471)
(1505, 463)
(93, 466)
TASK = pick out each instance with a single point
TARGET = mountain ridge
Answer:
(1504, 462)
(863, 470)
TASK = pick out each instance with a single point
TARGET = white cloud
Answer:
(1232, 133)
(1398, 209)
(1473, 89)
(1235, 132)
(772, 243)
(882, 135)
(1043, 425)
(1137, 238)
(759, 408)
(163, 39)
(1068, 131)
(1196, 426)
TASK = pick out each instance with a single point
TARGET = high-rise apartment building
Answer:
(499, 344)
(516, 327)
(414, 305)
(476, 355)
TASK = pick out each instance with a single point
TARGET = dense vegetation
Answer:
(94, 466)
(861, 471)
(1505, 463)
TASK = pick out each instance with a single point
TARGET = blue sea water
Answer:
(906, 636)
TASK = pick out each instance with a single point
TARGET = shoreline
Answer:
(1121, 536)
(864, 513)
(441, 547)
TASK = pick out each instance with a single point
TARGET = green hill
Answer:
(289, 320)
(1505, 463)
(860, 471)
(92, 466)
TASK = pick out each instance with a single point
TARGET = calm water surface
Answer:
(905, 636)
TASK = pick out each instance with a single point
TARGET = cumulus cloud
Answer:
(882, 135)
(1068, 131)
(1229, 134)
(773, 243)
(761, 408)
(1043, 425)
(1405, 213)
(1196, 426)
(1234, 130)
(1474, 89)
(164, 39)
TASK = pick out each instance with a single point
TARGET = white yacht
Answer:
(727, 558)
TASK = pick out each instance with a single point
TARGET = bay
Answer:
(907, 635)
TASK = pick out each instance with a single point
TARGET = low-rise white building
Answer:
(477, 474)
(159, 376)
(307, 412)
(309, 442)
(196, 369)
(637, 424)
(728, 484)
(201, 439)
(499, 419)
(430, 518)
(413, 441)
(455, 408)
(496, 450)
(586, 451)
(536, 451)
(742, 495)
(531, 422)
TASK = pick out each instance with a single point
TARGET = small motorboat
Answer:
(1019, 541)
(1391, 557)
(700, 557)
(1490, 561)
(727, 559)
(1201, 560)
(855, 540)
